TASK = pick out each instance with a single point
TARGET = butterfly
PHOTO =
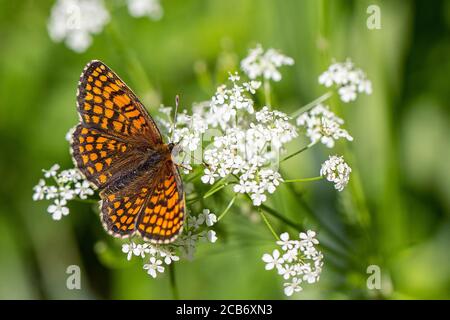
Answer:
(119, 148)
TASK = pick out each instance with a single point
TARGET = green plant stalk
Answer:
(227, 208)
(298, 152)
(303, 180)
(268, 224)
(173, 282)
(312, 104)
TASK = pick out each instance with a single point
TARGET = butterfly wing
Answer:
(115, 131)
(107, 104)
(102, 157)
(162, 218)
(156, 212)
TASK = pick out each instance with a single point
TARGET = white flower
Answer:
(273, 261)
(337, 171)
(287, 271)
(209, 176)
(52, 171)
(154, 267)
(308, 238)
(66, 193)
(348, 93)
(150, 8)
(284, 242)
(349, 80)
(211, 236)
(258, 197)
(210, 218)
(51, 192)
(323, 125)
(83, 189)
(291, 287)
(128, 249)
(169, 257)
(39, 190)
(75, 21)
(264, 63)
(58, 209)
(290, 255)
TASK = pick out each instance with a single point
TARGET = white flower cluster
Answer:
(323, 125)
(337, 171)
(247, 144)
(149, 8)
(264, 63)
(188, 130)
(158, 256)
(69, 185)
(299, 261)
(197, 229)
(349, 80)
(244, 142)
(75, 21)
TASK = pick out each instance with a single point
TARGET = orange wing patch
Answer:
(162, 218)
(98, 156)
(107, 104)
(120, 213)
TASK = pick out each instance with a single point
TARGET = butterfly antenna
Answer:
(177, 102)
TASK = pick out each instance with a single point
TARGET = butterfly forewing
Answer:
(107, 104)
(119, 148)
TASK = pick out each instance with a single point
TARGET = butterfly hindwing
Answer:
(121, 212)
(162, 217)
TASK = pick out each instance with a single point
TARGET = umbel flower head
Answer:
(245, 143)
(265, 64)
(337, 171)
(198, 229)
(149, 8)
(323, 125)
(60, 187)
(75, 21)
(348, 79)
(297, 261)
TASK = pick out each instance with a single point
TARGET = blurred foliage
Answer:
(395, 213)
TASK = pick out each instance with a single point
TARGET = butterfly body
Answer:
(119, 148)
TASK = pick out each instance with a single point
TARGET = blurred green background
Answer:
(395, 213)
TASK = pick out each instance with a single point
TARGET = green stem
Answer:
(303, 180)
(173, 282)
(219, 186)
(312, 104)
(227, 208)
(298, 152)
(263, 216)
(280, 217)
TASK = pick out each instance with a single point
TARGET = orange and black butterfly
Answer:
(119, 148)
